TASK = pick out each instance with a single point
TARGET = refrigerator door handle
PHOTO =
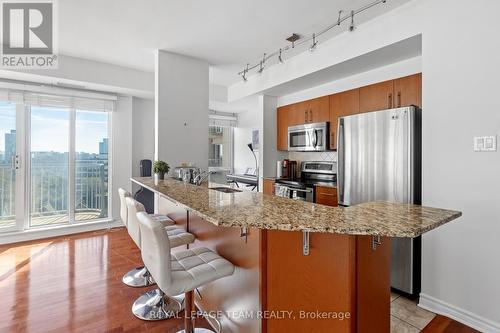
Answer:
(341, 161)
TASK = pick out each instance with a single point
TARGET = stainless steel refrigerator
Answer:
(379, 158)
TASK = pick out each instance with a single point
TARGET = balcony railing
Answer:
(49, 202)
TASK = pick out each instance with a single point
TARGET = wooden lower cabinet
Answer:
(324, 281)
(268, 186)
(325, 195)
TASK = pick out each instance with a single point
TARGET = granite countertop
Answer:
(263, 211)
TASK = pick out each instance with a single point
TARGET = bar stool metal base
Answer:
(138, 277)
(198, 330)
(155, 305)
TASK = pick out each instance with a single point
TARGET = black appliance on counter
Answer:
(311, 173)
(145, 196)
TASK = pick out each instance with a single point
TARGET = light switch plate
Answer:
(485, 143)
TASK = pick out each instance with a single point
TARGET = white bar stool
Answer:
(184, 272)
(153, 306)
(137, 277)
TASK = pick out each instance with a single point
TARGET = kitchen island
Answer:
(301, 267)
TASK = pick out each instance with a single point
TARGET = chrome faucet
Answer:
(201, 177)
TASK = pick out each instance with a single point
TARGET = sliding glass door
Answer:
(68, 166)
(8, 168)
(49, 166)
(54, 160)
(91, 165)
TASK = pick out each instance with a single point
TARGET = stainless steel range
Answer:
(311, 174)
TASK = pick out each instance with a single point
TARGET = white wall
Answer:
(121, 144)
(91, 75)
(143, 135)
(461, 265)
(181, 109)
(268, 153)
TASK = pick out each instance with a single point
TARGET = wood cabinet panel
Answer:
(283, 121)
(244, 286)
(342, 104)
(375, 97)
(268, 186)
(326, 196)
(408, 91)
(373, 285)
(322, 281)
(319, 110)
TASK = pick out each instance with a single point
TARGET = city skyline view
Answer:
(50, 129)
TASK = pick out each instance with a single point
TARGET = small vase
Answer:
(160, 176)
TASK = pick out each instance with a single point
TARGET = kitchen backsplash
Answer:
(313, 156)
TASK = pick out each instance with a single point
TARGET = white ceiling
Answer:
(227, 33)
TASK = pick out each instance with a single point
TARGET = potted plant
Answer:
(160, 168)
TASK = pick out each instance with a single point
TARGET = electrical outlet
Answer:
(485, 143)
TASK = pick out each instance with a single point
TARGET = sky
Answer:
(50, 128)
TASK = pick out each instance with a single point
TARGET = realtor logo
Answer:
(28, 34)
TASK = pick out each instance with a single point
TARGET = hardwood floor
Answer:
(73, 284)
(444, 324)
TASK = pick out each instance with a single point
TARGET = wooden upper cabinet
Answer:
(319, 110)
(342, 104)
(283, 121)
(408, 91)
(375, 97)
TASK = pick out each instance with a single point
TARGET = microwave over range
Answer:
(308, 137)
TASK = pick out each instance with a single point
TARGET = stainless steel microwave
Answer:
(308, 137)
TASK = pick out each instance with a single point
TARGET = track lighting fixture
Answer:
(262, 64)
(352, 26)
(296, 40)
(244, 73)
(314, 44)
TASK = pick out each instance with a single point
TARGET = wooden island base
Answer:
(342, 285)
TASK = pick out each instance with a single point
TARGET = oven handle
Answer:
(293, 189)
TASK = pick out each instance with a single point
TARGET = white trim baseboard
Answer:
(465, 317)
(60, 230)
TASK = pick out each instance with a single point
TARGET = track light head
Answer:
(352, 26)
(262, 64)
(314, 44)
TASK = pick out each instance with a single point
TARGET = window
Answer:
(220, 145)
(54, 160)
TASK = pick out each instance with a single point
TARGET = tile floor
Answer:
(406, 316)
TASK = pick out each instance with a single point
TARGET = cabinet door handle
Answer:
(390, 101)
(310, 116)
(399, 99)
(327, 194)
(305, 116)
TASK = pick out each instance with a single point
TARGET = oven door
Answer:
(302, 194)
(309, 137)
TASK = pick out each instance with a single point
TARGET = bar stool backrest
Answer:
(123, 205)
(134, 207)
(155, 250)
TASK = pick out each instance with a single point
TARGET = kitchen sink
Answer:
(224, 189)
